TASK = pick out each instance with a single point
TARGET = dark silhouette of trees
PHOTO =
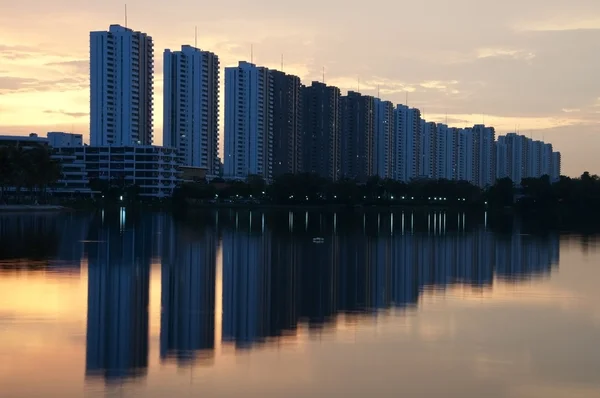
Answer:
(27, 172)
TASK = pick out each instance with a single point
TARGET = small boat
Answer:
(318, 240)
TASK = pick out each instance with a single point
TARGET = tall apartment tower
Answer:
(428, 150)
(517, 156)
(484, 156)
(357, 136)
(248, 121)
(121, 76)
(383, 149)
(466, 155)
(321, 130)
(191, 107)
(546, 162)
(534, 158)
(407, 143)
(502, 158)
(556, 166)
(287, 122)
(444, 164)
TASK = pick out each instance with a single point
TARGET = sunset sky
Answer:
(533, 65)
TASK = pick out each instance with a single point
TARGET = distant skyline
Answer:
(527, 66)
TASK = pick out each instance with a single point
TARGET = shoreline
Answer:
(29, 208)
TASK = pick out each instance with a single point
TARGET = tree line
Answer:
(26, 173)
(297, 189)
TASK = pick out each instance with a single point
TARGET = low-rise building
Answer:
(154, 170)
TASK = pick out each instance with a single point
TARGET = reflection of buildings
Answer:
(246, 285)
(275, 279)
(55, 238)
(188, 295)
(118, 296)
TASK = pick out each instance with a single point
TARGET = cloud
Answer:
(78, 65)
(66, 113)
(15, 84)
(567, 110)
(507, 53)
(17, 52)
(10, 84)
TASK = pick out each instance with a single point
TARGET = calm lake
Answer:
(248, 304)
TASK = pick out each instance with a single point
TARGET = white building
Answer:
(407, 142)
(383, 137)
(59, 139)
(154, 170)
(191, 107)
(121, 73)
(248, 121)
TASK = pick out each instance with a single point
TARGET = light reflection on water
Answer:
(245, 303)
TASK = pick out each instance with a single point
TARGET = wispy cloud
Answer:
(66, 113)
(505, 53)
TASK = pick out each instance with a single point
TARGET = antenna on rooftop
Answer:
(378, 92)
(125, 14)
(282, 62)
(406, 98)
(195, 36)
(251, 53)
(358, 84)
(323, 75)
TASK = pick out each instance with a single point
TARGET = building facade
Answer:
(121, 87)
(484, 156)
(287, 124)
(383, 148)
(191, 107)
(60, 139)
(428, 150)
(358, 129)
(248, 121)
(407, 143)
(321, 130)
(154, 170)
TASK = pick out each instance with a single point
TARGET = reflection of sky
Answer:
(535, 337)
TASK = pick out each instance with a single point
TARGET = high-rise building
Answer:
(465, 160)
(484, 140)
(516, 152)
(446, 152)
(357, 136)
(502, 157)
(546, 161)
(287, 119)
(556, 166)
(383, 149)
(248, 121)
(407, 142)
(191, 107)
(321, 130)
(428, 149)
(534, 158)
(121, 73)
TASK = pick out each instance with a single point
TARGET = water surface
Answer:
(245, 304)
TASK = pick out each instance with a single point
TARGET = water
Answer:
(244, 304)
